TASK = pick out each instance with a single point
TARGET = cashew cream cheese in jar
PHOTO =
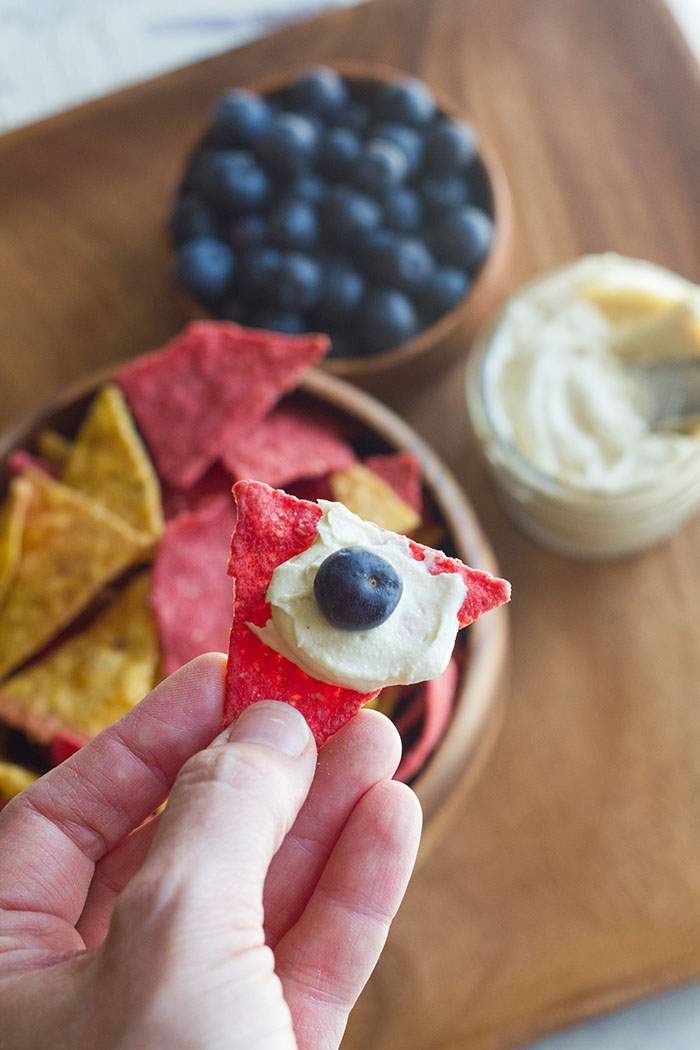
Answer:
(559, 420)
(413, 645)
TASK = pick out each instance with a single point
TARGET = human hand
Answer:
(131, 932)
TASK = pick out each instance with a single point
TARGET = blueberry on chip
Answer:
(356, 589)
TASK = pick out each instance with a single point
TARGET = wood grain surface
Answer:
(570, 880)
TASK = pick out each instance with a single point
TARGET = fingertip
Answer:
(274, 724)
(373, 735)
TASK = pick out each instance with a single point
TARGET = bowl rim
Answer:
(480, 700)
(487, 279)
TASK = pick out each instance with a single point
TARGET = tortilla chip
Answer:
(388, 699)
(20, 460)
(272, 527)
(372, 498)
(403, 471)
(192, 595)
(55, 448)
(216, 482)
(484, 591)
(213, 383)
(432, 708)
(291, 442)
(14, 778)
(12, 518)
(63, 744)
(311, 489)
(109, 462)
(71, 547)
(94, 677)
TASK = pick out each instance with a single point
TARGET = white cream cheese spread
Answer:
(554, 383)
(413, 645)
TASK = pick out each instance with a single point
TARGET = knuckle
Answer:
(231, 764)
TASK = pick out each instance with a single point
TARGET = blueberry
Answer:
(205, 267)
(450, 146)
(287, 144)
(248, 232)
(347, 214)
(293, 224)
(238, 118)
(341, 294)
(443, 193)
(277, 320)
(380, 165)
(340, 150)
(355, 116)
(388, 318)
(357, 589)
(259, 268)
(408, 139)
(373, 249)
(408, 101)
(442, 290)
(401, 262)
(320, 90)
(233, 182)
(403, 210)
(307, 186)
(463, 238)
(191, 218)
(297, 282)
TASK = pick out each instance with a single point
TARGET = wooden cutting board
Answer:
(570, 880)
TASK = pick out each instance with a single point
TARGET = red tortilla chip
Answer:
(312, 489)
(18, 461)
(191, 594)
(63, 744)
(433, 705)
(273, 527)
(291, 442)
(216, 482)
(214, 382)
(402, 470)
(484, 591)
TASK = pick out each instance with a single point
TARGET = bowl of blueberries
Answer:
(345, 201)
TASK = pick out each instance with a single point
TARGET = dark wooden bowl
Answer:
(479, 702)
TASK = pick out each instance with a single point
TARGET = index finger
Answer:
(54, 832)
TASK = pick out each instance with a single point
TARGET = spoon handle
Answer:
(672, 389)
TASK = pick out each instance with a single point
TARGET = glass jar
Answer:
(622, 499)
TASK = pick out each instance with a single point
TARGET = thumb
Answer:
(228, 812)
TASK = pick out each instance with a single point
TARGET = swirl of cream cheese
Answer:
(413, 645)
(554, 378)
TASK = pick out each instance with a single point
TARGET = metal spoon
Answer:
(667, 392)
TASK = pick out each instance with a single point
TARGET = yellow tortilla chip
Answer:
(14, 778)
(94, 677)
(386, 699)
(370, 497)
(109, 462)
(53, 447)
(12, 518)
(71, 547)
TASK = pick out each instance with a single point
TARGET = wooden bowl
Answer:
(448, 338)
(479, 700)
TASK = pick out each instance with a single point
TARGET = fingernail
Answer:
(273, 724)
